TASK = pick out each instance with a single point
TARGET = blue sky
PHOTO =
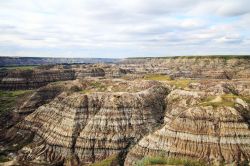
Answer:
(125, 28)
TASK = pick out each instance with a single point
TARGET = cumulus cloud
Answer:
(110, 28)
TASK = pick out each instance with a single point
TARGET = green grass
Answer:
(170, 161)
(3, 158)
(246, 98)
(8, 99)
(97, 85)
(94, 86)
(226, 100)
(86, 91)
(179, 83)
(106, 162)
(157, 77)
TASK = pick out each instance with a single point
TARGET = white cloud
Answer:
(123, 28)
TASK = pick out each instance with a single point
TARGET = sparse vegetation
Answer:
(246, 98)
(94, 86)
(179, 83)
(8, 99)
(106, 162)
(98, 86)
(157, 77)
(170, 161)
(86, 91)
(216, 101)
(223, 100)
(3, 158)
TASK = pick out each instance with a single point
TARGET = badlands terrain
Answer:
(133, 112)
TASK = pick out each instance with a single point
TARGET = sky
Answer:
(124, 28)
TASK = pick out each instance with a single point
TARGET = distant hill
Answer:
(24, 61)
(196, 57)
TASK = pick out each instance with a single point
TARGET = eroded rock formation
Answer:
(191, 67)
(130, 111)
(90, 127)
(196, 125)
(30, 79)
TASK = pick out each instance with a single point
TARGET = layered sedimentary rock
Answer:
(214, 129)
(29, 102)
(192, 67)
(46, 94)
(94, 72)
(116, 72)
(187, 67)
(41, 76)
(111, 110)
(30, 79)
(87, 128)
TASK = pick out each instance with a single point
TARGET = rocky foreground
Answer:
(132, 113)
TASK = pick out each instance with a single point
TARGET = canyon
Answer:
(135, 111)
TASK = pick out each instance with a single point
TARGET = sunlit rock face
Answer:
(198, 126)
(191, 67)
(119, 110)
(88, 128)
(183, 67)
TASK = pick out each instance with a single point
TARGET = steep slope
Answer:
(212, 126)
(30, 79)
(80, 128)
(216, 67)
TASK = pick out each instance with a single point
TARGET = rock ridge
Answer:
(215, 134)
(90, 127)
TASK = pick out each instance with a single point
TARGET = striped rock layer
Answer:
(214, 134)
(86, 128)
(30, 79)
(41, 76)
(191, 67)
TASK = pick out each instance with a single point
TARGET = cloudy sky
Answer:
(123, 28)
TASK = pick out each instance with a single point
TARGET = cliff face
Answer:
(30, 79)
(41, 76)
(192, 67)
(29, 102)
(209, 125)
(189, 67)
(46, 94)
(87, 128)
(122, 111)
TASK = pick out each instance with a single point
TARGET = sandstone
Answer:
(196, 131)
(30, 79)
(79, 114)
(93, 126)
(191, 67)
